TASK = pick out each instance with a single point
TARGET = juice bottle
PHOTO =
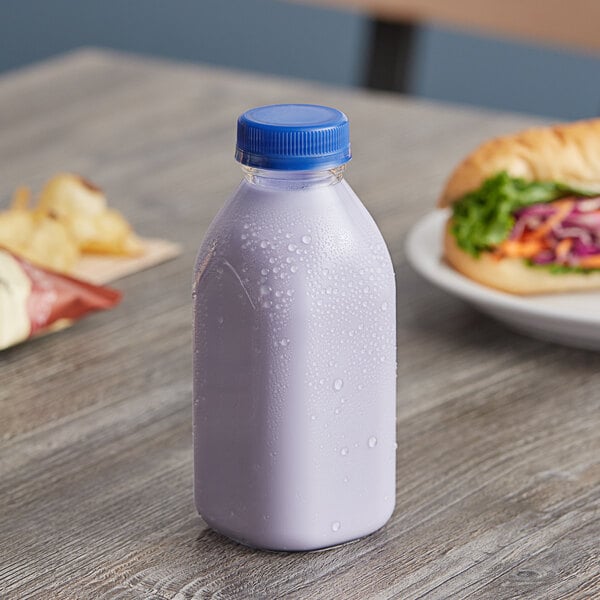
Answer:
(294, 344)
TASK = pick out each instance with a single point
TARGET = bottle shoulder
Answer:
(268, 228)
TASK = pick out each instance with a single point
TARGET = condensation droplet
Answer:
(272, 260)
(306, 239)
(372, 442)
(346, 479)
(344, 451)
(313, 417)
(336, 411)
(335, 526)
(284, 342)
(244, 236)
(266, 304)
(220, 320)
(288, 260)
(384, 306)
(264, 290)
(293, 268)
(292, 247)
(264, 272)
(338, 384)
(264, 244)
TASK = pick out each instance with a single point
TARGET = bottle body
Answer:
(294, 366)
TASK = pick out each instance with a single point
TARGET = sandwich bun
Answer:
(568, 153)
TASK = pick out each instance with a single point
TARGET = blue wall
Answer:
(507, 75)
(298, 40)
(262, 35)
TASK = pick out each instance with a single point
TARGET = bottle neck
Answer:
(293, 180)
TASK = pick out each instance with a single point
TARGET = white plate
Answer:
(571, 319)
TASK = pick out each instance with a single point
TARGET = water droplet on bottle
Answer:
(372, 442)
(293, 268)
(306, 239)
(264, 244)
(244, 236)
(335, 526)
(338, 384)
(264, 290)
(246, 226)
(360, 386)
(346, 479)
(220, 320)
(275, 270)
(344, 451)
(272, 260)
(384, 306)
(264, 272)
(289, 292)
(336, 411)
(366, 289)
(292, 247)
(313, 417)
(288, 260)
(284, 342)
(266, 304)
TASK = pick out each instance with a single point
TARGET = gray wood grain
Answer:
(499, 435)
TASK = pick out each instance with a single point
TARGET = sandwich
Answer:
(525, 211)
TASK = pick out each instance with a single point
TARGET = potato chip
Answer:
(21, 198)
(82, 207)
(113, 235)
(16, 229)
(71, 217)
(53, 246)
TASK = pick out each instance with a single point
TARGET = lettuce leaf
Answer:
(485, 217)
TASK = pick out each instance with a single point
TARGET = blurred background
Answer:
(529, 56)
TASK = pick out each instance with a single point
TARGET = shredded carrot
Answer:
(590, 262)
(563, 248)
(521, 249)
(564, 207)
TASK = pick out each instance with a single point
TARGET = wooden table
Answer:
(499, 435)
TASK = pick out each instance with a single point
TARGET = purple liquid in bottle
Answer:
(294, 345)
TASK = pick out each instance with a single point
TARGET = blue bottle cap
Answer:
(293, 137)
